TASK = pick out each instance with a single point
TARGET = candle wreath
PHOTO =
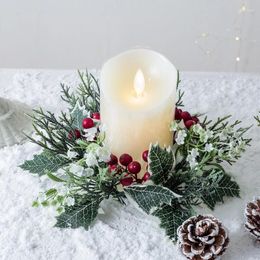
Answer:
(84, 173)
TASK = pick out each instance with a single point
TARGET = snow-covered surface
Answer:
(123, 232)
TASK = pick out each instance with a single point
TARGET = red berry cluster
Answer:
(128, 168)
(188, 120)
(87, 123)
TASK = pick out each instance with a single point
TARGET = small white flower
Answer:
(192, 161)
(209, 148)
(102, 128)
(232, 144)
(91, 159)
(76, 169)
(205, 135)
(191, 158)
(180, 137)
(193, 164)
(174, 126)
(197, 129)
(103, 154)
(88, 172)
(72, 154)
(194, 152)
(90, 133)
(62, 190)
(70, 201)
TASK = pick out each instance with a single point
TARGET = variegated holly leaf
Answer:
(161, 162)
(150, 197)
(78, 114)
(171, 217)
(79, 215)
(44, 162)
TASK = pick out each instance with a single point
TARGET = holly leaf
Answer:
(79, 215)
(78, 114)
(221, 186)
(171, 217)
(150, 197)
(44, 163)
(161, 162)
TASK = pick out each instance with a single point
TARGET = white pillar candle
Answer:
(137, 101)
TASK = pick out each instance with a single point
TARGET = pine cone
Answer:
(252, 213)
(202, 238)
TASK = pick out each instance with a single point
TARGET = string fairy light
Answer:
(205, 39)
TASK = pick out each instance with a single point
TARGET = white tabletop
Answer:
(123, 232)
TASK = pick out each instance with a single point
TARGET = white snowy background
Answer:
(123, 232)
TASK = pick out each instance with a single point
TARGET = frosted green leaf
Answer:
(78, 114)
(171, 217)
(161, 162)
(44, 163)
(79, 215)
(150, 197)
(221, 187)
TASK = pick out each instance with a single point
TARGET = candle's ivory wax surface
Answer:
(132, 120)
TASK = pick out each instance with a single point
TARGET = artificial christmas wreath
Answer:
(176, 179)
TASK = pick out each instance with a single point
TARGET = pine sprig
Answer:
(180, 93)
(257, 118)
(87, 94)
(51, 132)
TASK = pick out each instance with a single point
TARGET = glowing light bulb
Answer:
(243, 8)
(237, 59)
(139, 83)
(237, 38)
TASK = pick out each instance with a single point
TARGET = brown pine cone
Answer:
(252, 213)
(202, 238)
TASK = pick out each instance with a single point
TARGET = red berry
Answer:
(134, 167)
(189, 123)
(125, 159)
(127, 181)
(74, 134)
(87, 123)
(178, 114)
(146, 176)
(113, 160)
(195, 119)
(145, 155)
(112, 168)
(96, 115)
(185, 116)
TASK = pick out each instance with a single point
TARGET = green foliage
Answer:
(180, 93)
(150, 197)
(161, 162)
(171, 217)
(77, 115)
(44, 163)
(217, 186)
(79, 215)
(257, 118)
(52, 132)
(87, 94)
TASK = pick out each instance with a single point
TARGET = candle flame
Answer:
(139, 83)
